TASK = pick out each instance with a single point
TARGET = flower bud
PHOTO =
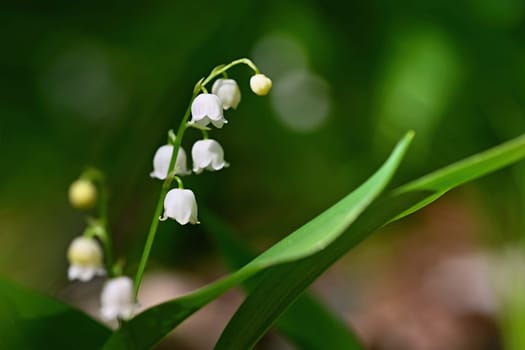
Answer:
(180, 205)
(85, 259)
(161, 162)
(116, 299)
(83, 194)
(260, 84)
(228, 91)
(207, 154)
(206, 109)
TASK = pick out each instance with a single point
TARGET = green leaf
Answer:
(308, 323)
(29, 320)
(281, 285)
(149, 327)
(468, 169)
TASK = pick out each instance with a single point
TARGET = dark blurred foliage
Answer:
(98, 83)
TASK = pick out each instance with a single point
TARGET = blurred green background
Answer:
(100, 84)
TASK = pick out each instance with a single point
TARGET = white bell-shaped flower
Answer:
(207, 154)
(180, 205)
(117, 300)
(207, 108)
(260, 84)
(85, 259)
(161, 162)
(228, 91)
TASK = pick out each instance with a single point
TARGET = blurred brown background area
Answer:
(100, 84)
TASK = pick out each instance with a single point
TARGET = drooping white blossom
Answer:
(180, 205)
(228, 91)
(117, 300)
(207, 155)
(82, 194)
(260, 84)
(85, 259)
(207, 108)
(161, 162)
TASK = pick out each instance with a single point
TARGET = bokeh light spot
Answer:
(301, 100)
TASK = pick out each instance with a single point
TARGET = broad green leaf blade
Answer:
(29, 320)
(325, 228)
(149, 327)
(308, 323)
(280, 286)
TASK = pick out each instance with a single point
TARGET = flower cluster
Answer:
(86, 257)
(89, 255)
(207, 154)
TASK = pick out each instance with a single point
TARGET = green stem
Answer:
(179, 182)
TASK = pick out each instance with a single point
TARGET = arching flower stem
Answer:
(200, 86)
(218, 71)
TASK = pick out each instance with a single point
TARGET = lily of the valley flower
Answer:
(85, 259)
(207, 108)
(228, 91)
(82, 194)
(260, 84)
(207, 154)
(180, 205)
(161, 162)
(117, 301)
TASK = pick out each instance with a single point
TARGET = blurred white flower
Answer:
(228, 91)
(85, 259)
(116, 299)
(260, 84)
(207, 108)
(180, 205)
(207, 154)
(83, 194)
(161, 162)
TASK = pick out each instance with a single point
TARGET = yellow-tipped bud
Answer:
(260, 84)
(82, 194)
